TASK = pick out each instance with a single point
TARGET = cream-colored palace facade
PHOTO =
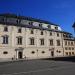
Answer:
(28, 38)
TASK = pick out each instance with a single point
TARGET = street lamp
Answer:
(37, 53)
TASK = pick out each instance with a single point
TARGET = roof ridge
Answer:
(27, 17)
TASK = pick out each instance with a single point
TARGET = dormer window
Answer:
(40, 25)
(1, 19)
(18, 21)
(5, 28)
(49, 26)
(30, 23)
(56, 28)
(19, 30)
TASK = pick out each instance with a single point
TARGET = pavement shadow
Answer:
(69, 59)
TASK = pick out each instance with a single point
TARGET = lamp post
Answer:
(37, 53)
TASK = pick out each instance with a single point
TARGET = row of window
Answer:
(31, 31)
(5, 52)
(32, 41)
(42, 33)
(41, 52)
(69, 53)
(67, 36)
(69, 48)
(40, 25)
(58, 51)
(69, 43)
(33, 52)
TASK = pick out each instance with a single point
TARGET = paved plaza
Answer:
(38, 67)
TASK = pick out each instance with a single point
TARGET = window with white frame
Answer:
(32, 41)
(5, 39)
(42, 41)
(19, 40)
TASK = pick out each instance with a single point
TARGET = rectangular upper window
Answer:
(42, 41)
(66, 48)
(66, 53)
(58, 42)
(19, 30)
(19, 40)
(5, 39)
(32, 41)
(51, 42)
(65, 42)
(57, 34)
(50, 33)
(6, 29)
(68, 43)
(31, 31)
(41, 32)
(71, 43)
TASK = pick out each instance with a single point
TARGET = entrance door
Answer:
(20, 55)
(52, 53)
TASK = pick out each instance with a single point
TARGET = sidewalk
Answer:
(2, 62)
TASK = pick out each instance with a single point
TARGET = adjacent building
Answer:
(29, 38)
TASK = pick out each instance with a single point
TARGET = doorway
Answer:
(20, 54)
(52, 53)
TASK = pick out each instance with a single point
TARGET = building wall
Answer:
(69, 49)
(31, 51)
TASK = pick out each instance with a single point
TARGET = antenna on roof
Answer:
(18, 19)
(74, 27)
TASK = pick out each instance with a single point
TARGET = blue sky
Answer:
(61, 12)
